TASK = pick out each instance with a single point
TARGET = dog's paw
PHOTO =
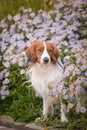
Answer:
(37, 120)
(40, 119)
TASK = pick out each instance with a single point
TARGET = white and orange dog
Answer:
(45, 71)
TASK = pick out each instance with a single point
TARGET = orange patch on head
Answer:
(53, 52)
(36, 49)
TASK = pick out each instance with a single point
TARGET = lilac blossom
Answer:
(6, 81)
(37, 20)
(60, 87)
(7, 74)
(86, 73)
(17, 17)
(83, 110)
(4, 92)
(14, 61)
(6, 64)
(32, 15)
(70, 105)
(3, 47)
(66, 58)
(3, 24)
(9, 17)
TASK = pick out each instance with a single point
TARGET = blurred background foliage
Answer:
(12, 6)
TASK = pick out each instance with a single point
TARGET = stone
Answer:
(34, 126)
(6, 119)
(1, 127)
(38, 127)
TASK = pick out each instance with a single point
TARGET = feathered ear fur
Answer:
(56, 53)
(30, 53)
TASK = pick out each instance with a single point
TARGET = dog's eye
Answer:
(50, 51)
(39, 50)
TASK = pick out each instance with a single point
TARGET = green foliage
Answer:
(21, 103)
(26, 108)
(77, 122)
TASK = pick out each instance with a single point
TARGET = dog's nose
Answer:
(46, 60)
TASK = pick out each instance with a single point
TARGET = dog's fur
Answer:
(45, 71)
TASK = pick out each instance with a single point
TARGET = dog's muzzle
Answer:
(46, 60)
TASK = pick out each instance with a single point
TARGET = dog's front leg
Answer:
(45, 110)
(63, 113)
(45, 106)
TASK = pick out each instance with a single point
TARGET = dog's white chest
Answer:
(43, 77)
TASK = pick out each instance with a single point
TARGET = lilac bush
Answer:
(66, 26)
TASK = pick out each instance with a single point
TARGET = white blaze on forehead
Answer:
(45, 48)
(45, 53)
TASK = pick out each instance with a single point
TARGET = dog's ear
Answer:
(56, 53)
(30, 53)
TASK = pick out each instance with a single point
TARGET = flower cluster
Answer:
(65, 25)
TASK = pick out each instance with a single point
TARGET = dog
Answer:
(45, 71)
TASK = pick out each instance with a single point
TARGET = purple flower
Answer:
(12, 29)
(66, 58)
(83, 109)
(76, 72)
(7, 74)
(32, 15)
(58, 17)
(4, 92)
(6, 64)
(60, 87)
(80, 108)
(17, 17)
(9, 17)
(14, 61)
(68, 70)
(54, 92)
(37, 20)
(86, 73)
(6, 81)
(3, 47)
(3, 24)
(70, 105)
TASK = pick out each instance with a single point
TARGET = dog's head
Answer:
(42, 52)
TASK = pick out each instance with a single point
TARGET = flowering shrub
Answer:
(65, 25)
